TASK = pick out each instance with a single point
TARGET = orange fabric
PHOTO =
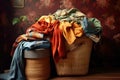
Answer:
(57, 31)
(47, 26)
(58, 46)
(43, 25)
(50, 28)
(71, 31)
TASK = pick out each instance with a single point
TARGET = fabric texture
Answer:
(60, 27)
(68, 24)
(70, 31)
(17, 67)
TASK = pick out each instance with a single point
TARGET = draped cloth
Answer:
(59, 33)
(61, 28)
(50, 28)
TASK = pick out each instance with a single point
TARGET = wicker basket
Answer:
(78, 57)
(37, 64)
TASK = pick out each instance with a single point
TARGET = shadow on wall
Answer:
(6, 33)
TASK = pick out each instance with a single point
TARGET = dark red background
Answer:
(105, 53)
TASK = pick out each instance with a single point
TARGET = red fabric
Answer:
(55, 34)
(58, 46)
(57, 39)
(41, 26)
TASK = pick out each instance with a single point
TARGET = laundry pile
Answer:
(60, 27)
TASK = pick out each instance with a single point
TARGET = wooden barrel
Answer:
(37, 64)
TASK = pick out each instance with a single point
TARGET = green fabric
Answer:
(69, 15)
(94, 26)
(91, 26)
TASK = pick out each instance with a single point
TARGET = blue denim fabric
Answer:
(17, 67)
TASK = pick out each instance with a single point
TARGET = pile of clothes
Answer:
(60, 27)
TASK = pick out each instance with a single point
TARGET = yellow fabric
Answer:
(71, 31)
(47, 18)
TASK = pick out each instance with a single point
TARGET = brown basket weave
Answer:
(78, 57)
(37, 68)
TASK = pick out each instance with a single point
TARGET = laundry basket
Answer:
(78, 57)
(37, 64)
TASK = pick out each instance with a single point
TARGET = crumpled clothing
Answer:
(43, 25)
(50, 27)
(71, 31)
(17, 67)
(67, 24)
(47, 26)
(69, 15)
(91, 26)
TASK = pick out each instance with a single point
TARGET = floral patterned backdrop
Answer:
(107, 11)
(106, 52)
